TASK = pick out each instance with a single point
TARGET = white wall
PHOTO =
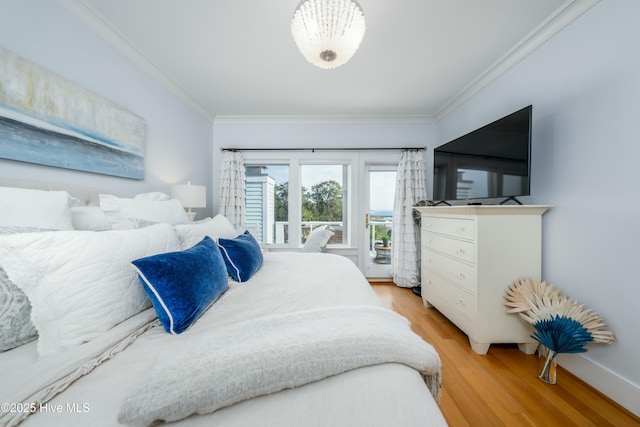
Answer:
(584, 85)
(319, 133)
(179, 140)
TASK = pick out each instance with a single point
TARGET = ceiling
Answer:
(419, 58)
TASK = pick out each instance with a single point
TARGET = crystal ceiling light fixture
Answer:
(328, 32)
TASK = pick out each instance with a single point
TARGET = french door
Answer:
(378, 194)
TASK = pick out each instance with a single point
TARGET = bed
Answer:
(303, 340)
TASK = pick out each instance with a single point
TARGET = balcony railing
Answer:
(282, 230)
(377, 228)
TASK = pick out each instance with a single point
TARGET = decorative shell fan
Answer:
(561, 325)
(543, 307)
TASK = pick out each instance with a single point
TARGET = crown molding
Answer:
(322, 119)
(564, 15)
(95, 21)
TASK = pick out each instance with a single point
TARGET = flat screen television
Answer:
(490, 162)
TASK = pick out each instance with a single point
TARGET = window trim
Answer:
(358, 161)
(295, 160)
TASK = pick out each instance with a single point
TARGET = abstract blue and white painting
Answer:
(47, 120)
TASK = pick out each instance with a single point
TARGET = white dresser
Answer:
(470, 256)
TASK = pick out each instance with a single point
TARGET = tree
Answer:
(326, 199)
(322, 203)
(308, 209)
(281, 202)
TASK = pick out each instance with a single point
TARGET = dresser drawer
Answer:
(465, 251)
(462, 228)
(457, 298)
(455, 271)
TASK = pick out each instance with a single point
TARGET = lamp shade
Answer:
(191, 196)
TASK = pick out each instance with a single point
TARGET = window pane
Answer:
(267, 204)
(382, 185)
(323, 200)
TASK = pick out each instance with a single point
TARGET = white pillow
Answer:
(193, 233)
(22, 207)
(81, 283)
(90, 218)
(154, 195)
(317, 239)
(121, 211)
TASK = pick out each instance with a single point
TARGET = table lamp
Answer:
(191, 196)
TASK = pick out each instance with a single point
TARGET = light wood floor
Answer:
(501, 388)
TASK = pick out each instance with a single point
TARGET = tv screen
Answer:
(490, 162)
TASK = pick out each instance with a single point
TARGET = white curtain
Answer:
(410, 189)
(232, 188)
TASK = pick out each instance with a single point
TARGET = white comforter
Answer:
(381, 395)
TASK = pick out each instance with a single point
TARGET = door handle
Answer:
(366, 221)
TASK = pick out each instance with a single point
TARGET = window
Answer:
(347, 190)
(267, 192)
(287, 199)
(323, 199)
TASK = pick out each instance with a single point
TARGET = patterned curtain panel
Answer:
(410, 189)
(232, 188)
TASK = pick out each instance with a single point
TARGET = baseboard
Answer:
(617, 389)
(380, 280)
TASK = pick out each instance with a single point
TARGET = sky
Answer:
(382, 186)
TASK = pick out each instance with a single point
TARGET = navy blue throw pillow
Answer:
(182, 285)
(242, 255)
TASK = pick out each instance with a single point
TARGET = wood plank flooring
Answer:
(501, 388)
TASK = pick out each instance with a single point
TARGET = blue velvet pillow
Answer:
(242, 256)
(182, 285)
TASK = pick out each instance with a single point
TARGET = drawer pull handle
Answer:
(460, 229)
(460, 275)
(460, 251)
(459, 302)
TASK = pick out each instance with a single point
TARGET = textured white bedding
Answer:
(28, 380)
(382, 395)
(270, 354)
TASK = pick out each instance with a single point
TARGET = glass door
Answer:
(380, 185)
